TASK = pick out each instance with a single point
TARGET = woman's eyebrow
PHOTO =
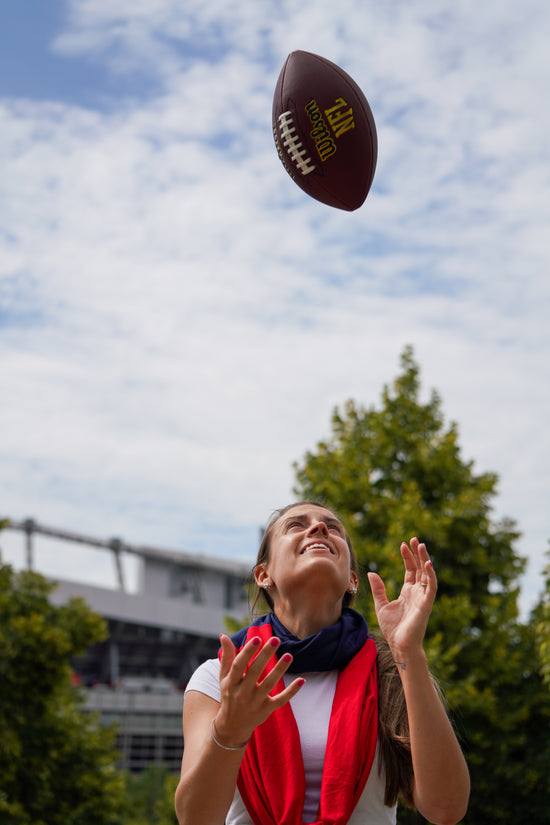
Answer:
(302, 518)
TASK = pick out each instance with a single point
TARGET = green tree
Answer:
(57, 763)
(542, 619)
(395, 472)
(150, 797)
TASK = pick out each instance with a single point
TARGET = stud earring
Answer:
(266, 586)
(352, 591)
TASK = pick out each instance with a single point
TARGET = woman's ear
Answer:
(353, 582)
(261, 576)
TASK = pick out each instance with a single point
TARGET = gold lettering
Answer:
(341, 122)
(341, 127)
(326, 148)
(320, 133)
(340, 103)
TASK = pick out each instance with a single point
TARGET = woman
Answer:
(289, 725)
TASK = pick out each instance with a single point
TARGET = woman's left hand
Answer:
(441, 780)
(403, 621)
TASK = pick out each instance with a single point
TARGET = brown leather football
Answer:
(324, 131)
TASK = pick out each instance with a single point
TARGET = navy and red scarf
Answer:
(272, 779)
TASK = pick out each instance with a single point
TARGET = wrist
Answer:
(409, 659)
(224, 740)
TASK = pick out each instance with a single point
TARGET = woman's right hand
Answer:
(245, 696)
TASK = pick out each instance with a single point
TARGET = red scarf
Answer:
(272, 780)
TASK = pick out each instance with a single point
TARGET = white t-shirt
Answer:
(311, 707)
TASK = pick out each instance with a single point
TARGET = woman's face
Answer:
(308, 546)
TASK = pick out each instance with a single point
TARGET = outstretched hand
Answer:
(403, 621)
(246, 691)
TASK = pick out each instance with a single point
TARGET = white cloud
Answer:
(180, 318)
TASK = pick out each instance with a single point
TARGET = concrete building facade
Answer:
(157, 637)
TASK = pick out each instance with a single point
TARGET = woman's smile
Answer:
(317, 547)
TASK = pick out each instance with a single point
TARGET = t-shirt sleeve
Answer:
(206, 679)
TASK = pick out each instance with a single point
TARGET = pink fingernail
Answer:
(274, 642)
(256, 641)
(301, 682)
(286, 658)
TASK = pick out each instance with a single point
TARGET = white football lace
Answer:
(293, 144)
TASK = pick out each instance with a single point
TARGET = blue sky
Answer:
(31, 68)
(178, 319)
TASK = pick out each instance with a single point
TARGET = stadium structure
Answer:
(157, 636)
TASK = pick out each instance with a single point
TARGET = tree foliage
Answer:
(150, 797)
(397, 471)
(57, 763)
(542, 618)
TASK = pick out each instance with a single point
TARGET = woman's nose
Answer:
(318, 527)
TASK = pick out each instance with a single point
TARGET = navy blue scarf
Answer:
(331, 649)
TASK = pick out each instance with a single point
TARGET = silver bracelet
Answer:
(219, 744)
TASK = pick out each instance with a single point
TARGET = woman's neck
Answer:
(303, 622)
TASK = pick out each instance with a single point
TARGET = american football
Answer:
(324, 131)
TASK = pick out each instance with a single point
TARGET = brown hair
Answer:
(265, 550)
(394, 743)
(393, 722)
